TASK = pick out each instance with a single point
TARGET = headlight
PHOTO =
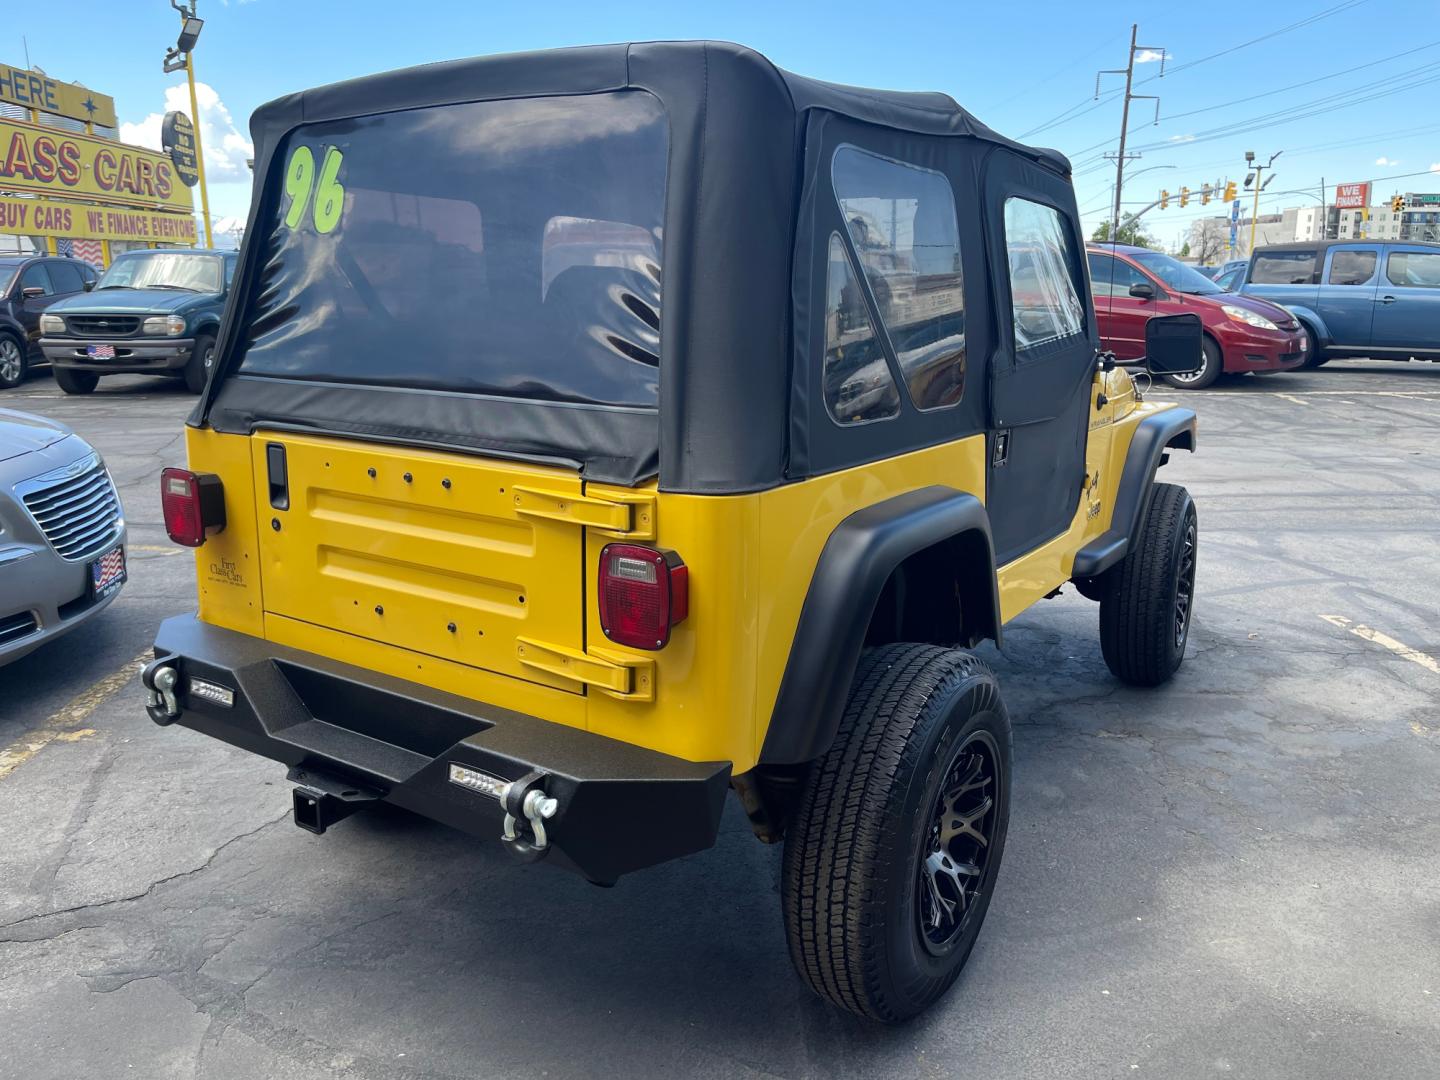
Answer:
(173, 325)
(52, 324)
(1240, 314)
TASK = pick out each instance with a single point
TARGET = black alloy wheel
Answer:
(955, 863)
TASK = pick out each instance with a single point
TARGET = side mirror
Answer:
(1142, 290)
(31, 291)
(1174, 345)
(89, 284)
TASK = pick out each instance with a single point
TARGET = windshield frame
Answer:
(216, 261)
(1196, 283)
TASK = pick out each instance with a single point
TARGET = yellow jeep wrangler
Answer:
(594, 431)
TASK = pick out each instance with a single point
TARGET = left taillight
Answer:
(643, 593)
(193, 505)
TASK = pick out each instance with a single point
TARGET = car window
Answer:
(230, 265)
(1110, 276)
(902, 223)
(1045, 302)
(34, 276)
(88, 272)
(1420, 269)
(65, 277)
(1229, 279)
(1350, 267)
(1283, 268)
(857, 380)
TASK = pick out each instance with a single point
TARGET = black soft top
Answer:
(736, 162)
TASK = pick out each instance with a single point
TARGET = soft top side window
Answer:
(1045, 301)
(858, 385)
(901, 220)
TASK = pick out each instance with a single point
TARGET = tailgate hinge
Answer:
(630, 678)
(630, 516)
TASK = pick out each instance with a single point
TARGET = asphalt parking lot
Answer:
(1237, 875)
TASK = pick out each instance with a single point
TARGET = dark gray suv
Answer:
(28, 285)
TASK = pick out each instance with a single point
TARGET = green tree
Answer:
(1185, 250)
(1130, 232)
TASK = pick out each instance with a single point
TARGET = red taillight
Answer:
(643, 593)
(193, 504)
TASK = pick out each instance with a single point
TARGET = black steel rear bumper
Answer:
(619, 807)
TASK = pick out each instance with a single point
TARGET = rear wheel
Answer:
(893, 852)
(1212, 366)
(197, 368)
(13, 363)
(1149, 596)
(75, 382)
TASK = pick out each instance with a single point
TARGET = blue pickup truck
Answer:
(1375, 298)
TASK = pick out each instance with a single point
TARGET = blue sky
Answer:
(1016, 67)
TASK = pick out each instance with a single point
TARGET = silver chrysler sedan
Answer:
(62, 533)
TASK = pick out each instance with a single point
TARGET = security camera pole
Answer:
(185, 46)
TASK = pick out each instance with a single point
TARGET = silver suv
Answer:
(62, 533)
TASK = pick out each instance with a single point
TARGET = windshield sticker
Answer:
(301, 184)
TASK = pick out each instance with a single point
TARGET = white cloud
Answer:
(1181, 138)
(1150, 56)
(1383, 160)
(1435, 167)
(225, 146)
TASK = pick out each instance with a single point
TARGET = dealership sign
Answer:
(1352, 196)
(177, 138)
(51, 162)
(46, 217)
(34, 90)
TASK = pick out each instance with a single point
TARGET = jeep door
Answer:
(1044, 361)
(1346, 298)
(1407, 302)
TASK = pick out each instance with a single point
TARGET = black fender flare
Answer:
(1153, 436)
(857, 560)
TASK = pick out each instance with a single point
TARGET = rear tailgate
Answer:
(422, 550)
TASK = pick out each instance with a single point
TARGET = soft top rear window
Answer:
(509, 248)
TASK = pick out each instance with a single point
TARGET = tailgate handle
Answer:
(629, 677)
(279, 476)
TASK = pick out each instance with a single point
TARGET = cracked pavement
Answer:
(1236, 875)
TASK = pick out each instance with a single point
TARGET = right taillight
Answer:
(643, 593)
(193, 505)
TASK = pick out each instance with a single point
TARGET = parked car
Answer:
(1131, 285)
(452, 483)
(29, 284)
(1229, 280)
(62, 533)
(153, 312)
(1372, 298)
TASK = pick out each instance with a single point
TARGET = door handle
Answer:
(279, 476)
(1385, 300)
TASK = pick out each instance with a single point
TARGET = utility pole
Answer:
(190, 27)
(1324, 217)
(1129, 72)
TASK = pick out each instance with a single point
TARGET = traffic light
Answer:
(1397, 203)
(1229, 191)
(1164, 199)
(1184, 197)
(1205, 195)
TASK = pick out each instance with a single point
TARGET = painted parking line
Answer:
(65, 725)
(1296, 400)
(155, 549)
(1399, 648)
(1422, 395)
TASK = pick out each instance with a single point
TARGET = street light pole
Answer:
(190, 27)
(1255, 213)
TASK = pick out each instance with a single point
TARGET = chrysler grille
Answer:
(103, 325)
(80, 516)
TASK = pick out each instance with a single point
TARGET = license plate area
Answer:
(108, 573)
(100, 352)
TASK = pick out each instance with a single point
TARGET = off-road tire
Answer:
(13, 361)
(197, 368)
(865, 824)
(75, 382)
(1214, 367)
(1140, 632)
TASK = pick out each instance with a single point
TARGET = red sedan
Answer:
(1242, 333)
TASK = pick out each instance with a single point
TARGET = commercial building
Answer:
(1418, 219)
(69, 187)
